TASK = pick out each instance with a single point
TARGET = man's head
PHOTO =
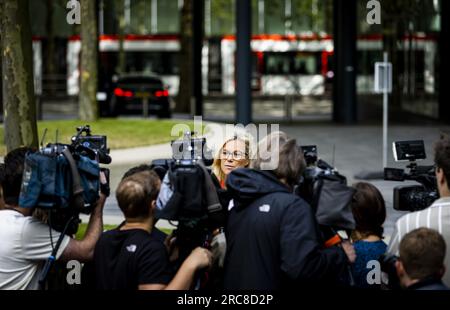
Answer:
(11, 175)
(290, 164)
(422, 253)
(136, 169)
(137, 195)
(442, 162)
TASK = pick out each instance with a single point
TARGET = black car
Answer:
(129, 93)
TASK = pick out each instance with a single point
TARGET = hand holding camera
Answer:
(199, 258)
(349, 250)
(104, 182)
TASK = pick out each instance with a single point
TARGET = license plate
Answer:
(142, 94)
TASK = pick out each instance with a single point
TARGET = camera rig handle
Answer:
(77, 189)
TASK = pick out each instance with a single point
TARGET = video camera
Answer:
(187, 193)
(63, 179)
(93, 146)
(326, 190)
(412, 197)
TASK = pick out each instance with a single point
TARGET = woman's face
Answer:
(233, 156)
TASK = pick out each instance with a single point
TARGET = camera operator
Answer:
(157, 233)
(421, 262)
(28, 242)
(272, 234)
(130, 257)
(437, 216)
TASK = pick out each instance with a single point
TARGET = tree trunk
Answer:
(18, 88)
(121, 61)
(185, 59)
(88, 110)
(1, 80)
(50, 69)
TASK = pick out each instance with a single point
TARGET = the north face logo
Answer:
(264, 208)
(131, 248)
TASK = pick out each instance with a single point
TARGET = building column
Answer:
(344, 80)
(243, 62)
(198, 10)
(444, 62)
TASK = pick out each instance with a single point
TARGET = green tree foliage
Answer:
(222, 20)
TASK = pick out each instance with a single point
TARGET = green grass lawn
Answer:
(83, 226)
(122, 133)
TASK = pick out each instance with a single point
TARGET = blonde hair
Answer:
(217, 160)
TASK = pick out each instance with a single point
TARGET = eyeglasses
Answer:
(236, 155)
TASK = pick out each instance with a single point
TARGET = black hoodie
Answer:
(272, 237)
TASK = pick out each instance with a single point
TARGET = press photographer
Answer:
(132, 257)
(29, 182)
(273, 240)
(436, 216)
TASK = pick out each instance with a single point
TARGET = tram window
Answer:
(306, 64)
(292, 63)
(164, 63)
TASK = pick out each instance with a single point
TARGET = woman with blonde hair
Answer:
(234, 153)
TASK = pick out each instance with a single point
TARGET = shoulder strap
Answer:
(77, 189)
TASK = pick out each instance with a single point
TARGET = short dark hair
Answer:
(11, 174)
(369, 210)
(442, 155)
(135, 193)
(422, 253)
(136, 169)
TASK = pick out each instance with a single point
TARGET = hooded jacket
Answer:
(272, 237)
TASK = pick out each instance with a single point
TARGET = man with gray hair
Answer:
(272, 236)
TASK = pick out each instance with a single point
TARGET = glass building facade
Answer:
(268, 16)
(415, 51)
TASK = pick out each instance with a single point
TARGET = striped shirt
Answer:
(436, 217)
